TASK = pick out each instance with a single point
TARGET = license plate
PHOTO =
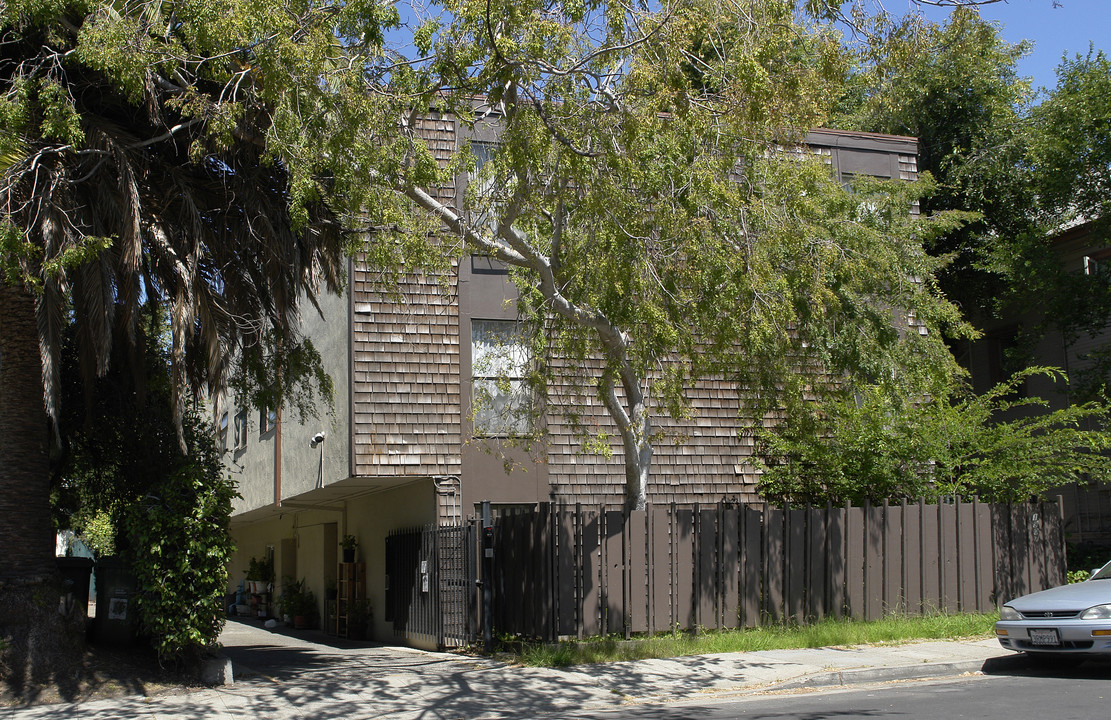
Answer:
(1044, 637)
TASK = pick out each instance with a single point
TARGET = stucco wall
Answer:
(303, 467)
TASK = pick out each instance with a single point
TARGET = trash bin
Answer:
(115, 609)
(76, 572)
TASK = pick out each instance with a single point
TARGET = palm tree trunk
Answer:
(26, 535)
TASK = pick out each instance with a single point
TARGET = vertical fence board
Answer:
(912, 558)
(947, 538)
(566, 568)
(1020, 550)
(731, 563)
(591, 557)
(752, 565)
(966, 557)
(637, 530)
(796, 565)
(854, 562)
(1055, 539)
(837, 556)
(706, 585)
(615, 607)
(894, 595)
(1039, 571)
(873, 561)
(931, 565)
(981, 519)
(683, 541)
(1002, 569)
(818, 560)
(774, 557)
(660, 569)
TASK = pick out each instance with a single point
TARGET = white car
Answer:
(1068, 620)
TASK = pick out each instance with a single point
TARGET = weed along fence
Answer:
(560, 571)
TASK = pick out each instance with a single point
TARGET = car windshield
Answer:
(1104, 573)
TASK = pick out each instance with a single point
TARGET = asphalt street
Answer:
(1033, 695)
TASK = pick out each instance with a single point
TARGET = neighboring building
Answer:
(401, 448)
(1084, 251)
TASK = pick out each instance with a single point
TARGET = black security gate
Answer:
(430, 580)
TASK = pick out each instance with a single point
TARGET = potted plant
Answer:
(254, 576)
(360, 619)
(260, 573)
(287, 602)
(349, 543)
(304, 610)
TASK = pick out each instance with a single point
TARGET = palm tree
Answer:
(115, 194)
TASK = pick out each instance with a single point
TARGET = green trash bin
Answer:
(115, 608)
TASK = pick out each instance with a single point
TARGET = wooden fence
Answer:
(562, 571)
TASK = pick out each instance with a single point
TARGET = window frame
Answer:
(491, 421)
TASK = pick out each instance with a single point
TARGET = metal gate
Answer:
(430, 581)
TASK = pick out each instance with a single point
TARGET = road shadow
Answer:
(1064, 667)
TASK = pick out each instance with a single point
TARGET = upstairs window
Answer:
(222, 433)
(267, 420)
(241, 430)
(483, 192)
(499, 395)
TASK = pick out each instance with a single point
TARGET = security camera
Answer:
(316, 439)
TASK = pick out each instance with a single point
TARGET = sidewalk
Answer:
(280, 676)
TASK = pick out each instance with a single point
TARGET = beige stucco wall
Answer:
(312, 536)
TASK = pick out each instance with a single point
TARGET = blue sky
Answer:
(1055, 30)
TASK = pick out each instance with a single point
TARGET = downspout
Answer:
(278, 457)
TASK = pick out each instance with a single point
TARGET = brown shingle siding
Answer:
(407, 414)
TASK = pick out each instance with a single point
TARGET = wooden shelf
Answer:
(350, 589)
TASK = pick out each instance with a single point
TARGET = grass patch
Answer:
(824, 633)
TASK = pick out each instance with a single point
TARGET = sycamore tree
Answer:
(648, 191)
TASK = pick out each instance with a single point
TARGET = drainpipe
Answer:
(278, 457)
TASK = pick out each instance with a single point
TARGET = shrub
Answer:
(999, 446)
(179, 549)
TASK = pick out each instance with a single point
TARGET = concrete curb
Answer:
(859, 676)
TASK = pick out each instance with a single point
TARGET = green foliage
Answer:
(123, 483)
(297, 599)
(142, 162)
(283, 372)
(956, 89)
(260, 570)
(98, 532)
(1078, 576)
(180, 548)
(998, 446)
(1071, 144)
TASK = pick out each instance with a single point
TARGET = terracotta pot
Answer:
(300, 622)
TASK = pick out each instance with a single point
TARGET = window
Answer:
(241, 430)
(482, 190)
(267, 420)
(222, 432)
(499, 397)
